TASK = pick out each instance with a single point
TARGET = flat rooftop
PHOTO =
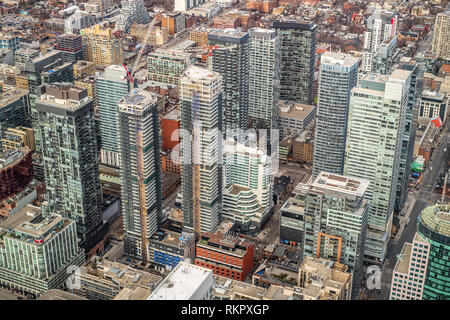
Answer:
(227, 288)
(10, 95)
(137, 100)
(350, 185)
(136, 294)
(402, 265)
(293, 110)
(182, 282)
(338, 59)
(195, 73)
(55, 294)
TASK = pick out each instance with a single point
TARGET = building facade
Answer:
(441, 37)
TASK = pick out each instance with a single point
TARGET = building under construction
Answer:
(141, 170)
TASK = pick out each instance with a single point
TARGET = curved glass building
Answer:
(434, 226)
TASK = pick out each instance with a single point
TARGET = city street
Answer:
(419, 199)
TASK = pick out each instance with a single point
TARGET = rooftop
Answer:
(55, 294)
(64, 96)
(402, 264)
(291, 109)
(437, 218)
(137, 101)
(182, 282)
(232, 289)
(195, 73)
(354, 186)
(10, 95)
(338, 59)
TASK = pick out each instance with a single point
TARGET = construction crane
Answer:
(144, 44)
(196, 167)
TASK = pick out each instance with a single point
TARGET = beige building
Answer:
(83, 67)
(16, 138)
(441, 37)
(158, 35)
(101, 46)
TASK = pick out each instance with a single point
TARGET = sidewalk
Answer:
(412, 200)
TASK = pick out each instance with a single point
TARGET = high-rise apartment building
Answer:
(421, 272)
(140, 171)
(70, 46)
(335, 221)
(201, 125)
(9, 41)
(112, 86)
(298, 58)
(167, 66)
(248, 186)
(381, 25)
(376, 123)
(102, 46)
(132, 11)
(264, 78)
(441, 37)
(337, 76)
(36, 251)
(231, 60)
(66, 134)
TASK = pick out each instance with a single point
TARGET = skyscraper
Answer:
(298, 58)
(201, 125)
(67, 138)
(335, 221)
(441, 37)
(232, 62)
(375, 129)
(264, 78)
(141, 170)
(337, 76)
(421, 272)
(167, 66)
(381, 25)
(112, 86)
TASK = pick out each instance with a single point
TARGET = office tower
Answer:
(248, 186)
(231, 60)
(264, 78)
(101, 46)
(70, 46)
(201, 125)
(376, 123)
(335, 221)
(14, 109)
(337, 76)
(167, 66)
(9, 41)
(23, 55)
(184, 5)
(381, 25)
(441, 37)
(132, 11)
(65, 132)
(295, 118)
(298, 59)
(409, 133)
(232, 258)
(421, 272)
(36, 251)
(173, 22)
(112, 86)
(141, 170)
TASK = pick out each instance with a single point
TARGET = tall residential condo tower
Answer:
(65, 131)
(231, 60)
(201, 125)
(264, 78)
(441, 37)
(375, 129)
(338, 75)
(141, 170)
(298, 58)
(112, 86)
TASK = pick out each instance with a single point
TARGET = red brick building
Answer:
(170, 125)
(16, 172)
(227, 257)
